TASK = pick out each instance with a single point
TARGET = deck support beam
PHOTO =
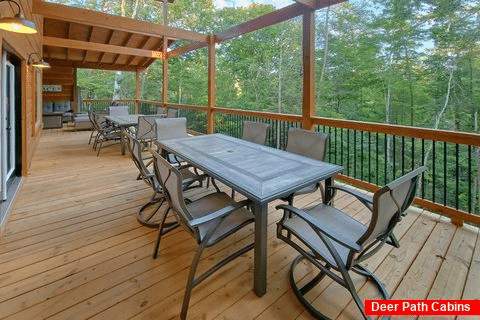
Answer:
(164, 74)
(211, 84)
(308, 108)
(138, 82)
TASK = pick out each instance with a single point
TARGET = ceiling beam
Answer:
(103, 20)
(266, 20)
(99, 47)
(261, 22)
(90, 65)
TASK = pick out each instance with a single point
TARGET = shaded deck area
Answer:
(74, 250)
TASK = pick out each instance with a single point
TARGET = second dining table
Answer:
(260, 173)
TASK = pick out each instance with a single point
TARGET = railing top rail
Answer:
(464, 138)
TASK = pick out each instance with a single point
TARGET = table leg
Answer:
(328, 191)
(122, 140)
(260, 259)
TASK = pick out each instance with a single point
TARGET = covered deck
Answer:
(74, 250)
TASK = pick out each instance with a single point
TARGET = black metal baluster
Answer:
(336, 162)
(470, 178)
(348, 152)
(444, 173)
(361, 155)
(403, 155)
(423, 163)
(354, 153)
(377, 169)
(341, 146)
(457, 175)
(394, 154)
(385, 159)
(433, 170)
(369, 157)
(413, 154)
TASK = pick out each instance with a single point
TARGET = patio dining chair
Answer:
(145, 215)
(171, 128)
(335, 243)
(256, 132)
(146, 128)
(118, 110)
(310, 144)
(105, 133)
(209, 220)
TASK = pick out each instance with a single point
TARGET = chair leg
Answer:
(160, 233)
(191, 282)
(91, 136)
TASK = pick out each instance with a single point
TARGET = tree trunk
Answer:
(440, 115)
(325, 56)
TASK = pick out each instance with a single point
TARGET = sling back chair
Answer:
(256, 132)
(310, 144)
(105, 133)
(171, 128)
(330, 239)
(145, 215)
(146, 127)
(118, 110)
(209, 220)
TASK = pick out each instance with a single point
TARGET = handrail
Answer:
(464, 138)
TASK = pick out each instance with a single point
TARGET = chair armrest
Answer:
(220, 213)
(363, 198)
(314, 223)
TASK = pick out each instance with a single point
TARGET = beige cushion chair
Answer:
(334, 243)
(310, 144)
(256, 132)
(209, 220)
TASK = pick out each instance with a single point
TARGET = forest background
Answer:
(409, 62)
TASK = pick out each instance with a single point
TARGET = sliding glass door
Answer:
(8, 129)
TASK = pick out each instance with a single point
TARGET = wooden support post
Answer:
(138, 81)
(211, 85)
(165, 74)
(75, 106)
(308, 108)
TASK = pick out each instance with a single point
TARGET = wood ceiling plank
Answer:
(89, 37)
(108, 41)
(99, 19)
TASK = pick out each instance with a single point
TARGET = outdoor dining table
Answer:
(260, 173)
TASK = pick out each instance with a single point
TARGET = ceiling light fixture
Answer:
(39, 64)
(17, 23)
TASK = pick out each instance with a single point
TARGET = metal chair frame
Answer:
(344, 252)
(207, 229)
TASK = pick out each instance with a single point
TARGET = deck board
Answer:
(74, 250)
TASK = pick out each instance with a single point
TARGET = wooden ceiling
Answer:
(80, 38)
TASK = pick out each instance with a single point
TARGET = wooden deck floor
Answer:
(74, 250)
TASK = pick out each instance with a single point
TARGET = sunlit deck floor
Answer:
(74, 250)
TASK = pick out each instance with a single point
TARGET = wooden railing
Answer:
(372, 154)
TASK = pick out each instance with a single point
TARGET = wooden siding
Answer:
(73, 250)
(64, 76)
(22, 45)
